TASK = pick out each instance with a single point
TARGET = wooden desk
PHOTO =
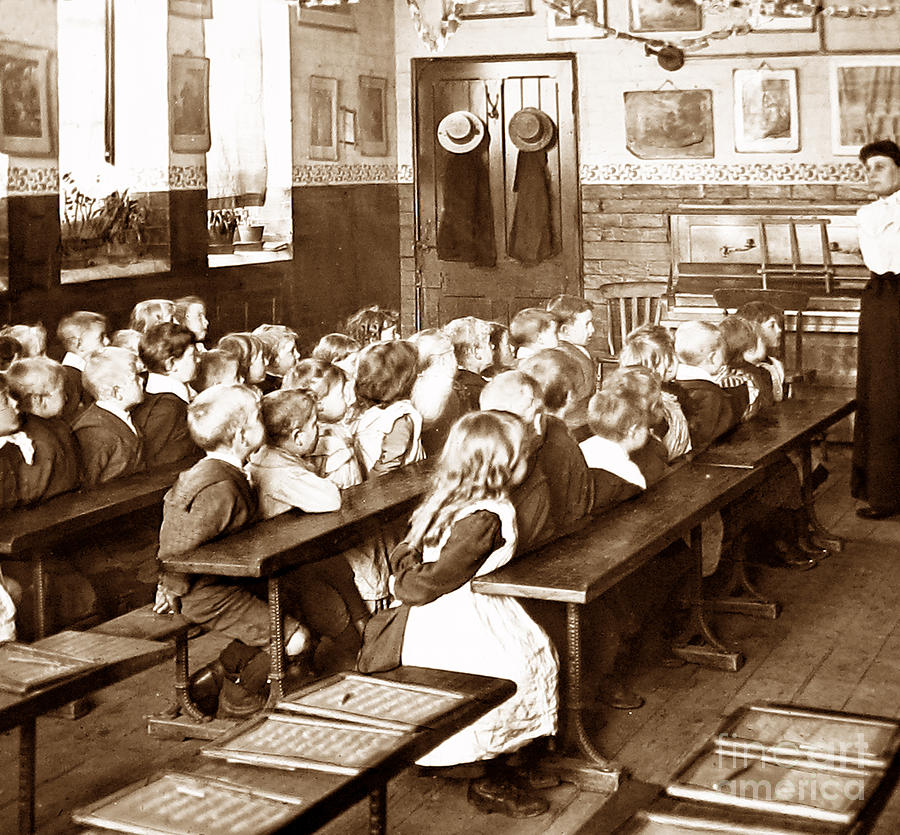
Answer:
(28, 533)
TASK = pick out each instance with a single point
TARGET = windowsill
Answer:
(233, 259)
(79, 275)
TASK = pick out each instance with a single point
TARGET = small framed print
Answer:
(331, 17)
(766, 116)
(189, 104)
(864, 101)
(496, 8)
(323, 118)
(773, 16)
(664, 15)
(191, 8)
(588, 20)
(25, 127)
(373, 125)
(348, 126)
(669, 124)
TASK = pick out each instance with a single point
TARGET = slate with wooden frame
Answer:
(373, 123)
(189, 104)
(496, 8)
(766, 115)
(25, 120)
(664, 16)
(669, 124)
(864, 101)
(323, 118)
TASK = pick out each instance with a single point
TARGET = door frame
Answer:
(416, 65)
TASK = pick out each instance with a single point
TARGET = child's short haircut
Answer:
(385, 373)
(469, 335)
(557, 373)
(184, 305)
(496, 339)
(286, 410)
(645, 385)
(316, 377)
(10, 349)
(529, 323)
(739, 336)
(150, 312)
(333, 347)
(244, 347)
(163, 342)
(613, 412)
(649, 349)
(273, 338)
(216, 415)
(105, 368)
(760, 312)
(127, 338)
(32, 338)
(73, 325)
(214, 367)
(511, 391)
(695, 340)
(429, 344)
(565, 307)
(366, 325)
(32, 377)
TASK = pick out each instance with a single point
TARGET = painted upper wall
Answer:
(607, 67)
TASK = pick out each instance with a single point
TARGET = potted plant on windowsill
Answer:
(249, 232)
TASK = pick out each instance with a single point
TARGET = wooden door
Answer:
(495, 90)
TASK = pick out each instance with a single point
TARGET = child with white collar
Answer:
(81, 333)
(532, 329)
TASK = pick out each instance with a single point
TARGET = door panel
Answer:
(494, 91)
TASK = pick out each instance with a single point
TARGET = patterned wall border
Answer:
(323, 174)
(677, 172)
(187, 177)
(22, 180)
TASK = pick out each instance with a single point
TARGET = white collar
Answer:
(74, 361)
(23, 442)
(227, 457)
(604, 454)
(692, 372)
(114, 408)
(164, 384)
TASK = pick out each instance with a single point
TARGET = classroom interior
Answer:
(281, 160)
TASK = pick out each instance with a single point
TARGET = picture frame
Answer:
(669, 124)
(664, 16)
(191, 8)
(189, 104)
(864, 105)
(772, 16)
(348, 126)
(25, 120)
(323, 118)
(588, 21)
(372, 116)
(328, 17)
(766, 111)
(496, 8)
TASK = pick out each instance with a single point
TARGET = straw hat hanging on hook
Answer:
(460, 132)
(531, 129)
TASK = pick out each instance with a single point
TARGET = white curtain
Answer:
(236, 163)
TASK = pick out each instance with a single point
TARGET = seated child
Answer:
(190, 311)
(466, 527)
(743, 340)
(334, 456)
(503, 358)
(709, 409)
(151, 312)
(210, 500)
(576, 328)
(434, 394)
(32, 338)
(10, 595)
(652, 347)
(372, 324)
(771, 322)
(560, 377)
(169, 355)
(335, 347)
(216, 368)
(532, 329)
(10, 350)
(109, 441)
(38, 385)
(280, 343)
(251, 356)
(80, 333)
(471, 338)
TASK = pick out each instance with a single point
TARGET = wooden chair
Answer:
(795, 301)
(630, 304)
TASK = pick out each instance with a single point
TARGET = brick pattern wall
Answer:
(407, 258)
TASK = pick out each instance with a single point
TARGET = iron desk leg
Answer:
(39, 589)
(27, 744)
(828, 539)
(182, 682)
(378, 811)
(276, 642)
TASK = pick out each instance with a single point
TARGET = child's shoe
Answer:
(236, 702)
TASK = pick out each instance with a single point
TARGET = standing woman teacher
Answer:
(875, 477)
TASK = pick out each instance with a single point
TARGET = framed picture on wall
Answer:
(588, 20)
(496, 8)
(774, 16)
(25, 124)
(373, 125)
(664, 15)
(323, 117)
(864, 101)
(669, 124)
(766, 115)
(331, 17)
(191, 8)
(189, 104)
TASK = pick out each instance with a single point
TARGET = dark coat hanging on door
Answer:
(466, 225)
(531, 238)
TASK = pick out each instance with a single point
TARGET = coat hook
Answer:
(492, 104)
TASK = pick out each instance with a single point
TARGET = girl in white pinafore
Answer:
(464, 528)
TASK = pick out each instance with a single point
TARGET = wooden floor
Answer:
(836, 645)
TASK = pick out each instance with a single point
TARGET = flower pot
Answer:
(250, 234)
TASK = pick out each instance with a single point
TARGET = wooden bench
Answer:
(27, 534)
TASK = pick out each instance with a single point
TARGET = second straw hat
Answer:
(460, 132)
(531, 129)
